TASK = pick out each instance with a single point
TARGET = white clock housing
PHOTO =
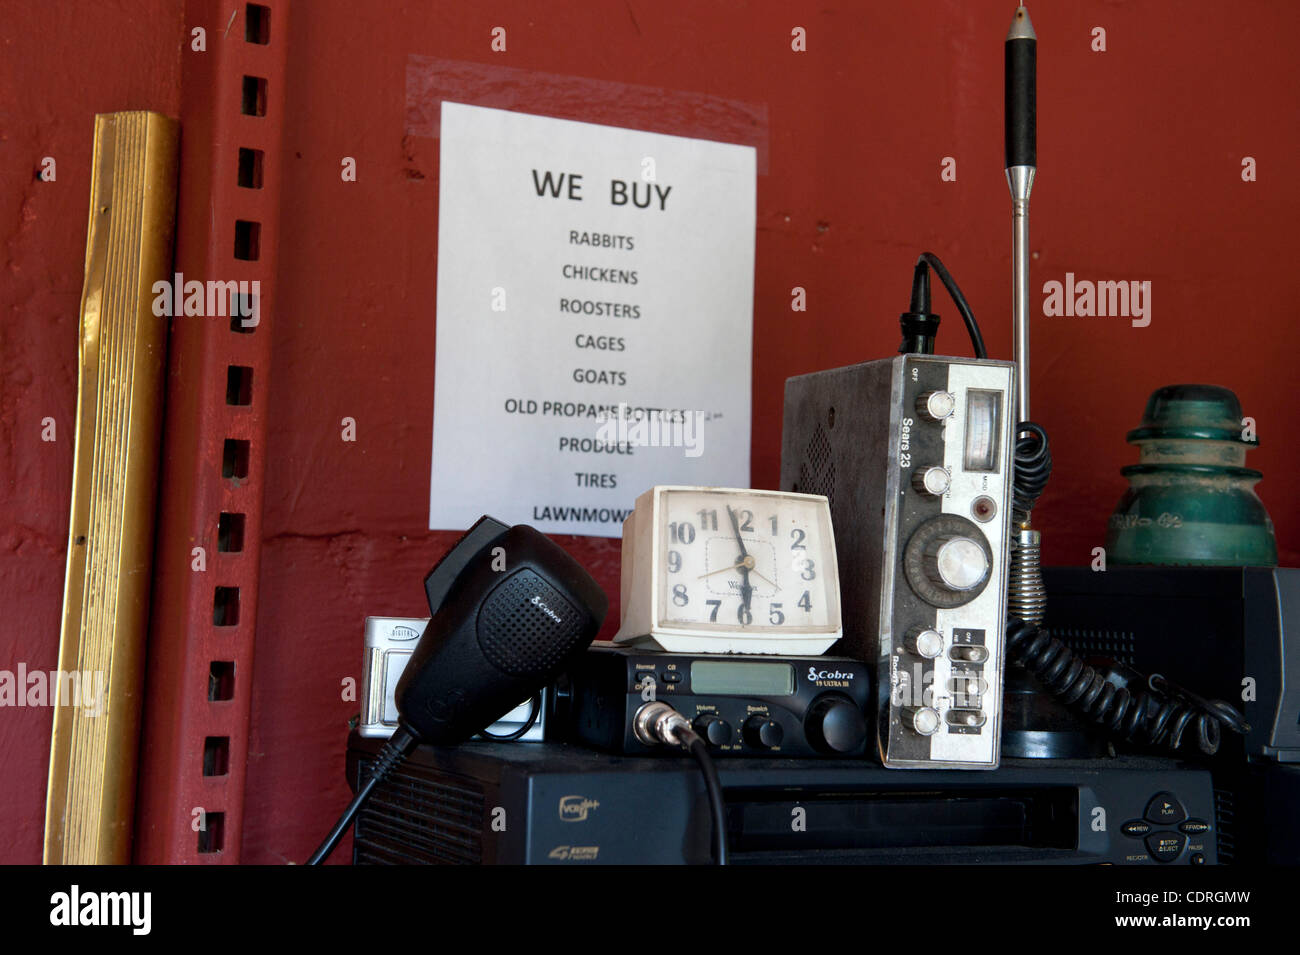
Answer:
(727, 570)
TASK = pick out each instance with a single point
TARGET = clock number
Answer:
(715, 604)
(798, 536)
(744, 616)
(808, 573)
(707, 517)
(773, 520)
(746, 525)
(683, 533)
(775, 615)
(806, 602)
(679, 595)
(674, 562)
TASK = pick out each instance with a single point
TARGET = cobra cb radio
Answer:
(509, 609)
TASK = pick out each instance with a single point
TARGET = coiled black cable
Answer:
(1033, 466)
(1156, 714)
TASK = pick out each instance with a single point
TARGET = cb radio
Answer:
(914, 455)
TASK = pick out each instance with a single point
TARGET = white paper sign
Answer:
(595, 319)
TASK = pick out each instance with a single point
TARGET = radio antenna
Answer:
(1022, 163)
(1027, 596)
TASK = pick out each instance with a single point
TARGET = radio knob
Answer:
(932, 480)
(922, 720)
(924, 642)
(835, 724)
(714, 730)
(956, 563)
(762, 732)
(936, 405)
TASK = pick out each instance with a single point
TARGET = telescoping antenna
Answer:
(1027, 597)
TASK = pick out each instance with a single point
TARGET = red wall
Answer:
(1140, 151)
(61, 64)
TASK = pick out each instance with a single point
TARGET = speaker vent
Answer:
(817, 473)
(1225, 824)
(420, 817)
(527, 626)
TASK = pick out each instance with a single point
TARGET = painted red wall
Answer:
(1140, 152)
(61, 64)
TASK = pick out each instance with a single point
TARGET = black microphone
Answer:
(510, 609)
(510, 622)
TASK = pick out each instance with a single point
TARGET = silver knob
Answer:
(924, 642)
(922, 720)
(957, 563)
(932, 480)
(936, 405)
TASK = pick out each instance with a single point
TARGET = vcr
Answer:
(566, 805)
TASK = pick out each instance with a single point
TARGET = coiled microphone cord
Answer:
(1033, 466)
(1150, 711)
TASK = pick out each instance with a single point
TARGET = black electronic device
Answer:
(509, 610)
(1228, 633)
(740, 705)
(568, 805)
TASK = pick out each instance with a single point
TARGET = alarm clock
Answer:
(726, 570)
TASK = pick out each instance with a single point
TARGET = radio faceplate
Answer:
(742, 705)
(914, 455)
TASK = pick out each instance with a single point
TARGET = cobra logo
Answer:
(537, 602)
(815, 674)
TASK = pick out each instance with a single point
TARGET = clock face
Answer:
(746, 561)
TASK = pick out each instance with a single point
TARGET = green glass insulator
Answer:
(1191, 499)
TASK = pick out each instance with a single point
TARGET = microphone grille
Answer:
(527, 626)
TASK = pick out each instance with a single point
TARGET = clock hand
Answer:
(746, 564)
(765, 579)
(735, 525)
(720, 570)
(746, 591)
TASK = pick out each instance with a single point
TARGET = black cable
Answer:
(700, 750)
(534, 710)
(972, 326)
(392, 754)
(1154, 712)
